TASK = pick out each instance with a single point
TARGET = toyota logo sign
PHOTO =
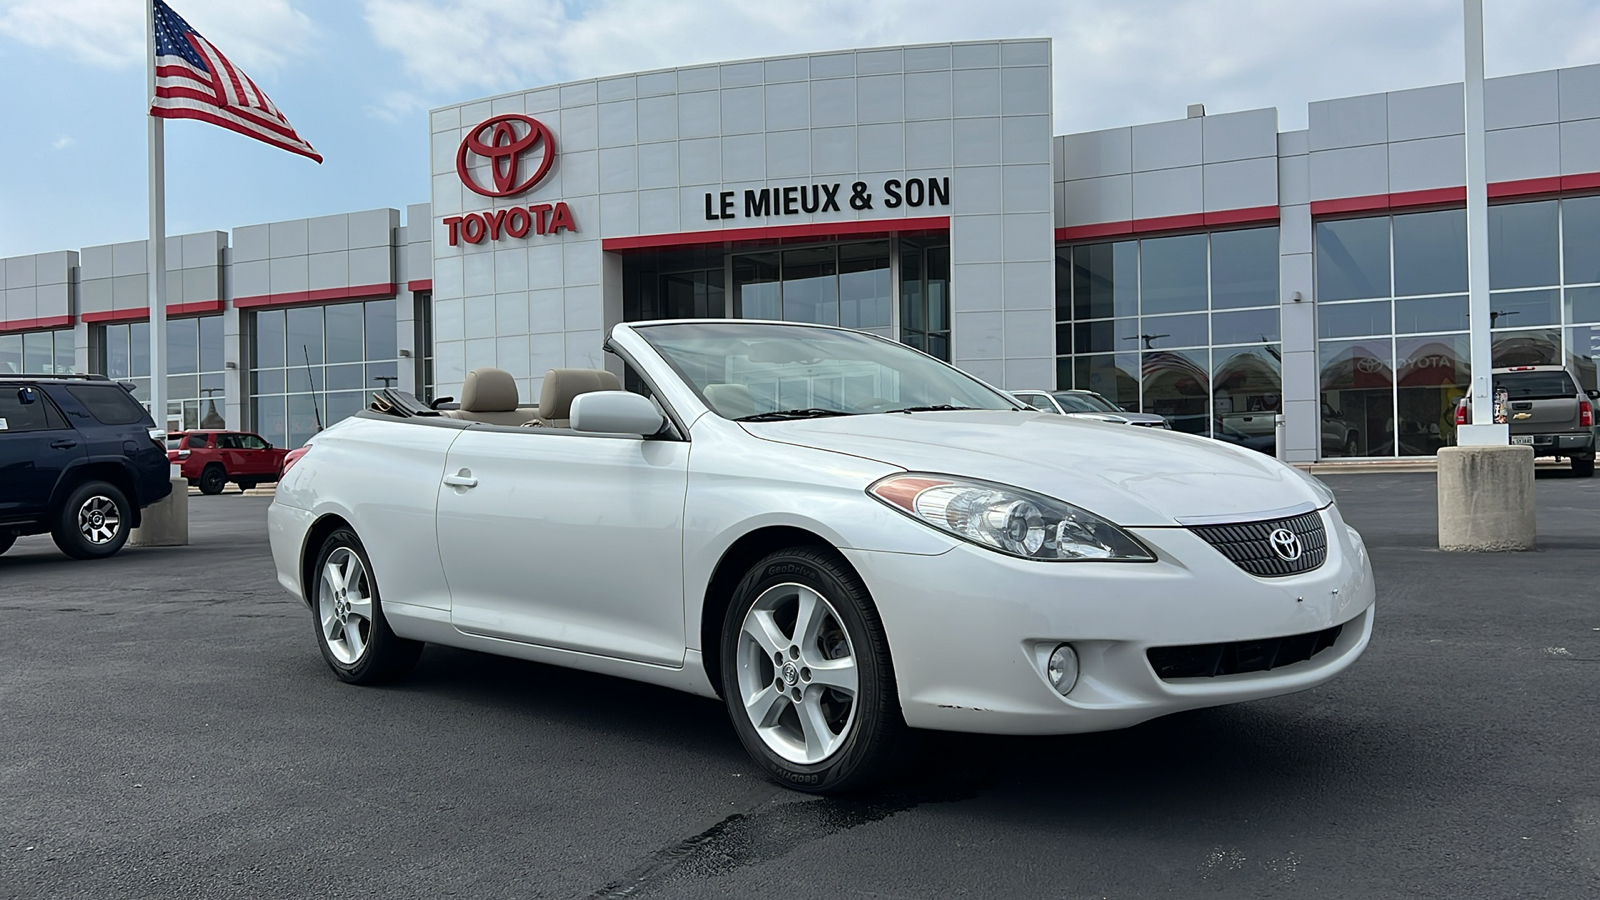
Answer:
(1286, 544)
(506, 141)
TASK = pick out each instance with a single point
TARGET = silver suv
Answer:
(1547, 411)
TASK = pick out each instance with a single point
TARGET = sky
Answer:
(357, 77)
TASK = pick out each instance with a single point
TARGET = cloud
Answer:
(1116, 61)
(396, 106)
(261, 35)
(63, 142)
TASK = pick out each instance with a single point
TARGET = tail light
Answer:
(293, 457)
(1585, 414)
(1461, 414)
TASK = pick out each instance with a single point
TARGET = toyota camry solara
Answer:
(840, 537)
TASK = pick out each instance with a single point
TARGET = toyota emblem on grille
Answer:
(1286, 544)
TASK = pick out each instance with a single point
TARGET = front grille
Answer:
(1249, 544)
(1211, 660)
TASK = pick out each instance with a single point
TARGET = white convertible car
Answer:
(839, 536)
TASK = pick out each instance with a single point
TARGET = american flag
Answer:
(195, 81)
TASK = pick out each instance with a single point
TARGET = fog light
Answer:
(1062, 669)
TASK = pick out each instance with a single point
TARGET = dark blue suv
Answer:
(79, 458)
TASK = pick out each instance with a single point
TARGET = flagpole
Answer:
(156, 246)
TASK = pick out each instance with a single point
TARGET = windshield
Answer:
(1073, 402)
(768, 371)
(1536, 385)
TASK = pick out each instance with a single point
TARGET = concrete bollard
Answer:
(165, 523)
(1486, 499)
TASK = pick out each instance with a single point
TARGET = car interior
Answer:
(489, 395)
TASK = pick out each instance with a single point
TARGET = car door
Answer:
(257, 457)
(566, 540)
(36, 445)
(230, 450)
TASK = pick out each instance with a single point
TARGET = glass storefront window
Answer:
(1244, 268)
(1353, 319)
(1357, 397)
(1580, 239)
(811, 285)
(1247, 394)
(1352, 259)
(925, 297)
(36, 353)
(1112, 376)
(866, 297)
(315, 365)
(1136, 327)
(1432, 373)
(1105, 280)
(1583, 304)
(1430, 252)
(1583, 354)
(1174, 331)
(1420, 314)
(1172, 274)
(1519, 309)
(195, 368)
(1177, 385)
(1523, 249)
(1534, 347)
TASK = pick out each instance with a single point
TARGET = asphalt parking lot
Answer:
(167, 729)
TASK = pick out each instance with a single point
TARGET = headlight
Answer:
(1010, 520)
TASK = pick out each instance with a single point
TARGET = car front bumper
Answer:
(970, 629)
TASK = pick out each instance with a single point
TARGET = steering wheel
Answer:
(872, 405)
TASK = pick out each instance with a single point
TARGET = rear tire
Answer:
(246, 484)
(806, 674)
(94, 521)
(347, 615)
(1583, 466)
(213, 479)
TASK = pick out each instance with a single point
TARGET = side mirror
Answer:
(27, 396)
(615, 412)
(1593, 395)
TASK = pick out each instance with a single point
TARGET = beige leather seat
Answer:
(731, 401)
(561, 386)
(490, 395)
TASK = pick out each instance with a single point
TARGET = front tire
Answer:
(94, 521)
(213, 479)
(347, 614)
(806, 673)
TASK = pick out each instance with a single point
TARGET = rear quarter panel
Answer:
(382, 477)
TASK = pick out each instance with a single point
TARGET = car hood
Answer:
(1132, 476)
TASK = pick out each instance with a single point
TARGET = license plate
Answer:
(1522, 439)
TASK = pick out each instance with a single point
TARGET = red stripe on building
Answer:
(1457, 196)
(769, 234)
(1527, 187)
(295, 298)
(45, 324)
(424, 284)
(1253, 215)
(141, 313)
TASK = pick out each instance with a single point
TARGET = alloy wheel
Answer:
(344, 605)
(99, 520)
(797, 673)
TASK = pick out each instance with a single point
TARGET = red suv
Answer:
(211, 459)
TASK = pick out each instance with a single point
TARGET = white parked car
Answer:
(838, 535)
(1088, 405)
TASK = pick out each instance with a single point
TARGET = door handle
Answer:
(63, 445)
(462, 479)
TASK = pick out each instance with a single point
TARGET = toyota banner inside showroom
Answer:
(1211, 270)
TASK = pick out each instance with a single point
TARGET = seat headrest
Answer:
(731, 401)
(562, 385)
(488, 389)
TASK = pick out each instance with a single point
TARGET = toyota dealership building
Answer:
(1212, 269)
